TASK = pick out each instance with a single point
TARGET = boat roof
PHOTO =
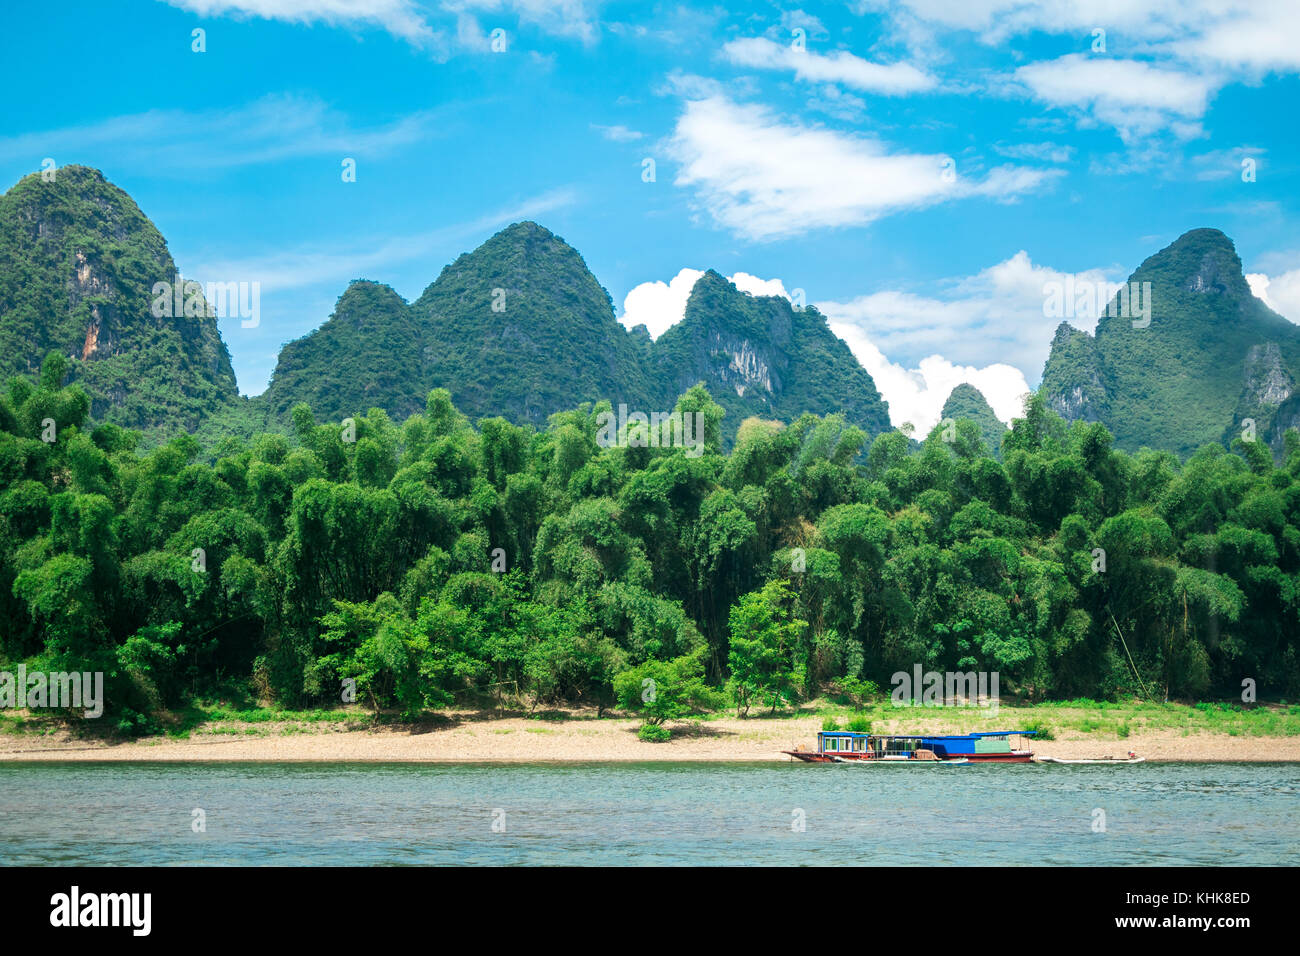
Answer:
(987, 733)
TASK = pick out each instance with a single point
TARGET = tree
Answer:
(764, 633)
(665, 690)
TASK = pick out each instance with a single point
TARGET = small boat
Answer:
(1131, 758)
(844, 746)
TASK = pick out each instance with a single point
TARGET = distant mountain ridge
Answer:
(519, 327)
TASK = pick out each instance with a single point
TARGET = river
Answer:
(647, 814)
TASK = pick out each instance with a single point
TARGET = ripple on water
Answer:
(652, 814)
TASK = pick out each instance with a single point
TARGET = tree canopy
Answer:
(436, 560)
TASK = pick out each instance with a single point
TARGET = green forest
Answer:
(435, 561)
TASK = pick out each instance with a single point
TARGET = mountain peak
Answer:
(525, 229)
(1204, 236)
(1200, 261)
(966, 402)
(1195, 354)
(368, 289)
(85, 261)
(757, 355)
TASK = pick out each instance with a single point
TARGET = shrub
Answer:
(858, 691)
(654, 733)
(1041, 730)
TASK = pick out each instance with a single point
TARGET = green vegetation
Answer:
(520, 328)
(1079, 718)
(416, 567)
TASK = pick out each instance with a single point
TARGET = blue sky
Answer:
(918, 169)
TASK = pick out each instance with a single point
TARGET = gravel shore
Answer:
(518, 739)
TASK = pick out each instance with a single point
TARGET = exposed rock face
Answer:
(1209, 278)
(750, 369)
(1266, 393)
(1287, 416)
(759, 356)
(1267, 381)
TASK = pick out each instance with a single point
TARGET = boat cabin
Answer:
(841, 742)
(996, 745)
(868, 746)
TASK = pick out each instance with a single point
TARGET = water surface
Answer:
(648, 814)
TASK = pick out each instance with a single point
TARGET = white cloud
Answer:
(1136, 98)
(917, 395)
(659, 305)
(1174, 54)
(409, 19)
(995, 20)
(914, 395)
(568, 18)
(801, 20)
(1256, 37)
(1038, 152)
(996, 316)
(1281, 293)
(618, 134)
(270, 129)
(838, 67)
(758, 287)
(989, 330)
(763, 177)
(401, 18)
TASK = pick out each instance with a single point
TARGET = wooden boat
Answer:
(844, 746)
(1131, 758)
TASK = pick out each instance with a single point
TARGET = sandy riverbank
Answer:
(517, 739)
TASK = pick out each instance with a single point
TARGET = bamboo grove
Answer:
(435, 562)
